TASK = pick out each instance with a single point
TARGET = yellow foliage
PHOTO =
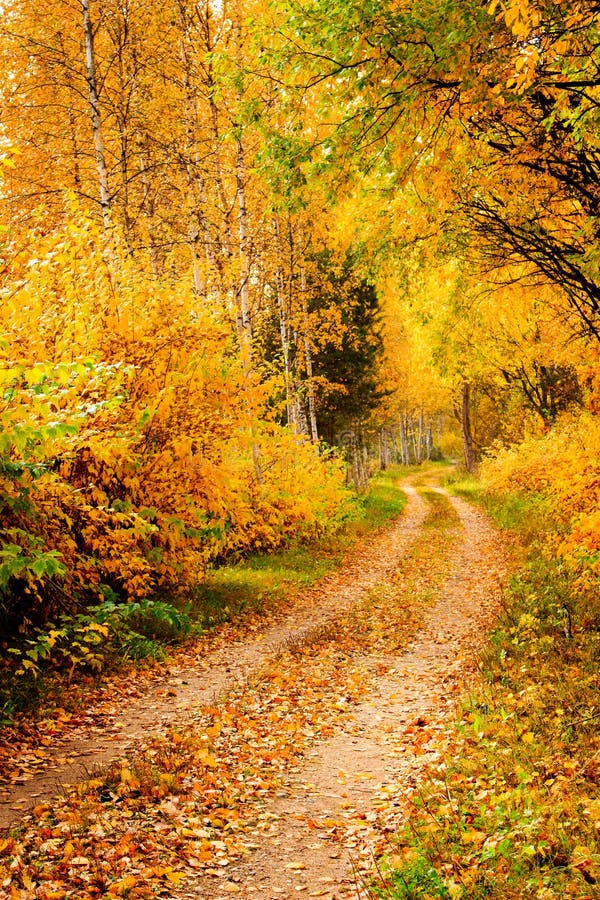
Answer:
(143, 424)
(564, 466)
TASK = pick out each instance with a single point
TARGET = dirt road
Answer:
(271, 764)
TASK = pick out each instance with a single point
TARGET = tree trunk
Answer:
(198, 224)
(384, 448)
(359, 470)
(364, 458)
(143, 156)
(284, 329)
(244, 321)
(312, 410)
(419, 441)
(90, 65)
(405, 456)
(77, 153)
(243, 317)
(124, 137)
(394, 444)
(429, 439)
(414, 440)
(465, 423)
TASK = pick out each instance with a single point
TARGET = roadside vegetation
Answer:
(42, 664)
(512, 808)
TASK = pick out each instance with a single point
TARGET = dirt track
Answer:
(335, 815)
(111, 727)
(314, 828)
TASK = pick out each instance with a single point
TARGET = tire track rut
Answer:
(333, 816)
(221, 660)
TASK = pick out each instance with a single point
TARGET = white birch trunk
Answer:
(404, 441)
(244, 320)
(429, 439)
(99, 154)
(394, 443)
(244, 317)
(199, 231)
(284, 330)
(312, 409)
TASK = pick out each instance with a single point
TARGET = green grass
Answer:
(264, 580)
(382, 503)
(258, 582)
(530, 515)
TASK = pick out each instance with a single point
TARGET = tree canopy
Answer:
(236, 233)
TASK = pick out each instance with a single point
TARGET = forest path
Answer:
(279, 766)
(68, 750)
(332, 815)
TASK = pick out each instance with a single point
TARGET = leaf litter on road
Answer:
(126, 708)
(196, 805)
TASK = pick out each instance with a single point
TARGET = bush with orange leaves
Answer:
(135, 447)
(563, 466)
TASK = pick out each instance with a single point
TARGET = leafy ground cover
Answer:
(513, 808)
(188, 800)
(245, 592)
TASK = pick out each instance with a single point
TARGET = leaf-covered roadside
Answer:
(194, 801)
(241, 598)
(513, 808)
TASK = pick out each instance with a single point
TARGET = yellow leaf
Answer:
(474, 837)
(125, 884)
(101, 629)
(174, 877)
(207, 759)
(129, 779)
(7, 845)
(155, 871)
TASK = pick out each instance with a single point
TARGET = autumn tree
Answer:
(512, 87)
(145, 257)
